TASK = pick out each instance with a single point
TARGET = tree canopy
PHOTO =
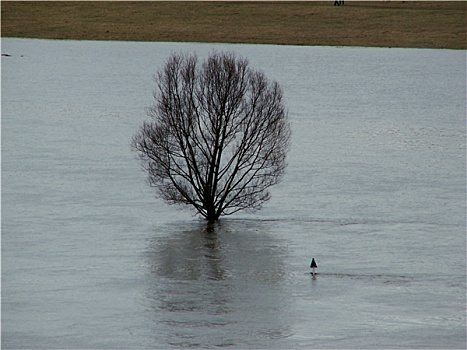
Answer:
(218, 135)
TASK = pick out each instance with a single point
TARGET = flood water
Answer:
(375, 191)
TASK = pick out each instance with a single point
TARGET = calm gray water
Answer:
(375, 191)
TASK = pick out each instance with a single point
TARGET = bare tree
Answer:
(219, 135)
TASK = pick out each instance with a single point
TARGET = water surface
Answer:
(374, 191)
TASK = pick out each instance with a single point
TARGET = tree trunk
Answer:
(212, 218)
(211, 213)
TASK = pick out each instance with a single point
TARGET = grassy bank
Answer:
(417, 24)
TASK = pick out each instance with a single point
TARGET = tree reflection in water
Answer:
(218, 285)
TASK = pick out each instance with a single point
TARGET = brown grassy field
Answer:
(417, 24)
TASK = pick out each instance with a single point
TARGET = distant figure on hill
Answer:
(338, 3)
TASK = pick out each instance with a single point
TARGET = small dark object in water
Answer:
(313, 266)
(6, 55)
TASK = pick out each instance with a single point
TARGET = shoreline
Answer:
(227, 43)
